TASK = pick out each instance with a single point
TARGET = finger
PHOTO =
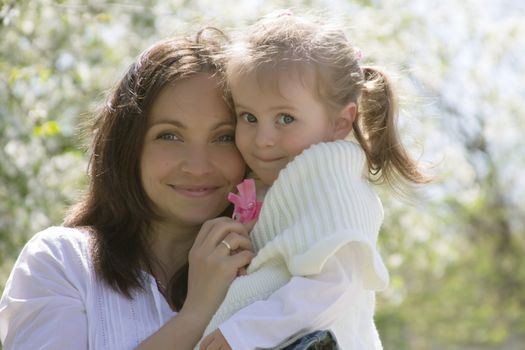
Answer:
(212, 344)
(218, 343)
(241, 259)
(236, 242)
(225, 245)
(205, 342)
(220, 230)
(242, 271)
(249, 225)
(204, 231)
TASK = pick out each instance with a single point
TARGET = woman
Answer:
(132, 266)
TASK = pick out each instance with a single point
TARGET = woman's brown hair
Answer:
(115, 208)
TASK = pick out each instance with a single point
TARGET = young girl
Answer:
(299, 91)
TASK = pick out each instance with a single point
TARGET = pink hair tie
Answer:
(358, 54)
(286, 13)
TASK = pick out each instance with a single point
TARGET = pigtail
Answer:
(376, 130)
(339, 80)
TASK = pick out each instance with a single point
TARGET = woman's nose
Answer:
(197, 161)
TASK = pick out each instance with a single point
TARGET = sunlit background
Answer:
(455, 255)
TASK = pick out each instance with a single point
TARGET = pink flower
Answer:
(247, 208)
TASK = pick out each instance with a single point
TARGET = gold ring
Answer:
(227, 245)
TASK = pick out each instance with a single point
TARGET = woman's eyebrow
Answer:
(223, 123)
(183, 126)
(169, 121)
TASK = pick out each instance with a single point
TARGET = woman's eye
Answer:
(228, 138)
(168, 136)
(248, 117)
(285, 119)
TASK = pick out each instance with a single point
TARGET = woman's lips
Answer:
(195, 191)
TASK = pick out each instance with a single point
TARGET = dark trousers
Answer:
(318, 340)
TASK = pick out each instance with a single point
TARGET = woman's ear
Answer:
(344, 121)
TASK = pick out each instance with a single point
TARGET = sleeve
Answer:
(320, 203)
(41, 306)
(310, 258)
(302, 305)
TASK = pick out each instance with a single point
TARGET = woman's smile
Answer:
(195, 191)
(189, 147)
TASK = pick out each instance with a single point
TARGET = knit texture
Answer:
(320, 202)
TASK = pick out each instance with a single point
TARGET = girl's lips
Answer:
(268, 160)
(195, 191)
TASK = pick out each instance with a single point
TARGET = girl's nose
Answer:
(265, 136)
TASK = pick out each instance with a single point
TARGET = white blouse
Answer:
(53, 300)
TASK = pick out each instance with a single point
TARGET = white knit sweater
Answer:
(320, 202)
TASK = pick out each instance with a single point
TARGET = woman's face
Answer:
(189, 162)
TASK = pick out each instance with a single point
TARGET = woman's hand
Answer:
(212, 268)
(213, 265)
(215, 341)
(249, 226)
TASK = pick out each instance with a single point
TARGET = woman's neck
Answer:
(170, 246)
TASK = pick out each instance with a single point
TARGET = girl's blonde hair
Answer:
(301, 42)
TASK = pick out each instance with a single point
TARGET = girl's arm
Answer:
(302, 305)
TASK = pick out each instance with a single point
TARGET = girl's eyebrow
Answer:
(238, 105)
(281, 107)
(273, 108)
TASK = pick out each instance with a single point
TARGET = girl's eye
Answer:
(168, 136)
(285, 119)
(248, 117)
(228, 138)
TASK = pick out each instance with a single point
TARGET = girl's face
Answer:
(189, 162)
(275, 125)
